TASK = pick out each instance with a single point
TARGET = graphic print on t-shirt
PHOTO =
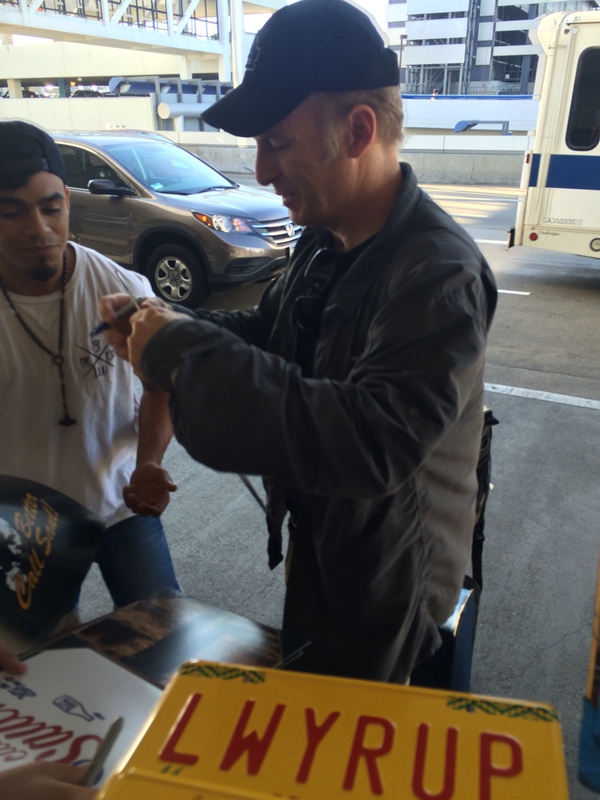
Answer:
(96, 358)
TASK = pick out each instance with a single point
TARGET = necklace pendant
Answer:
(57, 358)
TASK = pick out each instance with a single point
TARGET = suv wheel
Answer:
(177, 275)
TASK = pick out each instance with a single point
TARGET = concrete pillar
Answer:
(169, 12)
(185, 68)
(237, 39)
(526, 62)
(15, 90)
(525, 67)
(225, 59)
(63, 87)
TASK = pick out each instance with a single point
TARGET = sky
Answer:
(377, 9)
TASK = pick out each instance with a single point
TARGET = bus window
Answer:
(583, 129)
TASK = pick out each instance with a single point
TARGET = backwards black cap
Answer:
(24, 150)
(309, 46)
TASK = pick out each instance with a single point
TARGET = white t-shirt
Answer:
(92, 460)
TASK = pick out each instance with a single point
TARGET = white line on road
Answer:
(490, 241)
(510, 291)
(550, 397)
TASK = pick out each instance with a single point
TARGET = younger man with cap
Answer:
(356, 386)
(69, 414)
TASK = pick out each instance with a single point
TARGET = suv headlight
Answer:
(221, 222)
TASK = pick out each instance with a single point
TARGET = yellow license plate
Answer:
(222, 731)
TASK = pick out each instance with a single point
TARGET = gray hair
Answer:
(333, 107)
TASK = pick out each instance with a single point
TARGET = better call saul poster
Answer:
(47, 545)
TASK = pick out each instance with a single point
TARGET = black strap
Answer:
(484, 472)
(308, 308)
(323, 272)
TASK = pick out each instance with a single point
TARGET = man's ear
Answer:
(362, 129)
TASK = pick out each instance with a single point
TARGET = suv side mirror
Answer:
(101, 186)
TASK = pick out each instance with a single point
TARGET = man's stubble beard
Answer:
(43, 273)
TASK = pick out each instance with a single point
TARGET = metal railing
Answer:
(145, 14)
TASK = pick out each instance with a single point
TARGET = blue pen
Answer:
(133, 305)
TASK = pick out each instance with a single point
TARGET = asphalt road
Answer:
(541, 554)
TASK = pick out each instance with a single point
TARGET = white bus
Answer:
(561, 176)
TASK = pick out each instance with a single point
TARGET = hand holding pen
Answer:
(133, 305)
(123, 311)
(115, 313)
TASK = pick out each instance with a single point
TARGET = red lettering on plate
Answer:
(488, 770)
(370, 754)
(315, 734)
(449, 769)
(257, 748)
(168, 752)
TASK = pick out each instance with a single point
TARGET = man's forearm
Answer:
(155, 429)
(150, 485)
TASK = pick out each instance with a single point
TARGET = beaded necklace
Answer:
(57, 358)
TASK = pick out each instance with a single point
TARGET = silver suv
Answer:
(154, 207)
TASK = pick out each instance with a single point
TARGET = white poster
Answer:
(62, 707)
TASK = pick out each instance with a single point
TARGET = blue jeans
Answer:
(135, 562)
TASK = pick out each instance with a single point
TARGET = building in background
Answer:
(469, 46)
(90, 41)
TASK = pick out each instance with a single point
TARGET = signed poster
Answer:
(62, 707)
(154, 637)
(47, 545)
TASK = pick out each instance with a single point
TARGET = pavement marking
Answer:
(510, 291)
(550, 397)
(490, 241)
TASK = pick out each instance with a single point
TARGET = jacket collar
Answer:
(356, 282)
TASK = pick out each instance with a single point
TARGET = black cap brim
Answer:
(250, 111)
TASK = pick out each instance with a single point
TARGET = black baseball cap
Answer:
(309, 46)
(24, 150)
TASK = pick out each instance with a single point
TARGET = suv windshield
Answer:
(166, 168)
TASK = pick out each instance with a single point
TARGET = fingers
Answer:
(152, 507)
(109, 305)
(118, 342)
(149, 510)
(144, 325)
(44, 780)
(10, 662)
(66, 773)
(149, 490)
(129, 334)
(145, 508)
(130, 498)
(119, 329)
(154, 302)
